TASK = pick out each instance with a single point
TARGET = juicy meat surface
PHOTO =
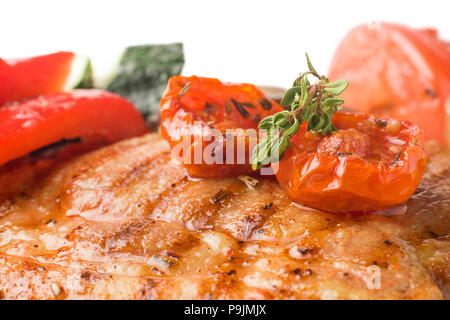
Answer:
(126, 222)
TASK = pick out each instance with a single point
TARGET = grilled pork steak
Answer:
(126, 222)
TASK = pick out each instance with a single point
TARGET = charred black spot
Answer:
(87, 275)
(267, 206)
(172, 255)
(396, 158)
(430, 92)
(433, 234)
(265, 103)
(380, 123)
(52, 220)
(53, 146)
(304, 251)
(240, 108)
(209, 108)
(344, 154)
(157, 271)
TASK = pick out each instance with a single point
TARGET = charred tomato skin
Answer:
(348, 183)
(193, 108)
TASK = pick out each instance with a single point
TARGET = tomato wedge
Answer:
(369, 164)
(203, 115)
(92, 115)
(398, 72)
(23, 78)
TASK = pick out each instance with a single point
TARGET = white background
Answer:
(261, 42)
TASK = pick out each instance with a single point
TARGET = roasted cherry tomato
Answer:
(24, 78)
(397, 72)
(369, 164)
(92, 115)
(202, 115)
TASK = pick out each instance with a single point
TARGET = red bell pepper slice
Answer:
(92, 115)
(24, 78)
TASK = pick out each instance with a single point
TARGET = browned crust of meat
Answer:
(126, 222)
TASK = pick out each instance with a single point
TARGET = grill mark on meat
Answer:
(135, 239)
(193, 212)
(243, 213)
(178, 245)
(107, 196)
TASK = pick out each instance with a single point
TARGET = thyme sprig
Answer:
(312, 103)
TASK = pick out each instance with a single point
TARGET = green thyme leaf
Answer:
(279, 147)
(289, 96)
(281, 121)
(329, 127)
(261, 153)
(313, 123)
(309, 111)
(266, 123)
(293, 129)
(315, 104)
(296, 103)
(332, 102)
(337, 87)
(310, 66)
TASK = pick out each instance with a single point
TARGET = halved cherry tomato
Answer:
(192, 107)
(24, 78)
(369, 164)
(92, 115)
(397, 72)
